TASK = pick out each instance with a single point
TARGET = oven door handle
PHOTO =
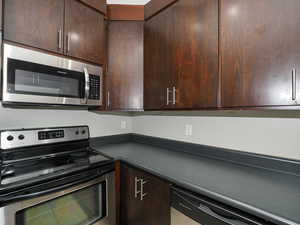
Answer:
(87, 85)
(20, 197)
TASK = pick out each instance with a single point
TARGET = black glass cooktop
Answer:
(31, 163)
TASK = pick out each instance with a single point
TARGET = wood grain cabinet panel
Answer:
(35, 23)
(155, 6)
(259, 49)
(154, 208)
(99, 5)
(85, 33)
(195, 53)
(181, 56)
(157, 60)
(125, 65)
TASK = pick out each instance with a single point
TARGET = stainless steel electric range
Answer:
(52, 176)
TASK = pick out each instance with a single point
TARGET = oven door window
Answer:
(35, 79)
(83, 207)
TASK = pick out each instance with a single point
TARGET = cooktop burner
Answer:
(47, 157)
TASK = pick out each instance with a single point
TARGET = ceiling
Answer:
(128, 2)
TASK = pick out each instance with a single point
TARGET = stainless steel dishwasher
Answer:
(192, 209)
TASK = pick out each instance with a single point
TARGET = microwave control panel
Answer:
(94, 87)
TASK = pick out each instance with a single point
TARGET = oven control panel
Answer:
(46, 135)
(10, 139)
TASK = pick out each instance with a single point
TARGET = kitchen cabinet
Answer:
(195, 54)
(35, 23)
(55, 25)
(260, 52)
(125, 65)
(154, 6)
(181, 56)
(157, 64)
(145, 199)
(99, 5)
(85, 34)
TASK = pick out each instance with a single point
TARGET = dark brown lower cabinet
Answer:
(145, 199)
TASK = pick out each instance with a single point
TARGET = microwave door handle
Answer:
(87, 85)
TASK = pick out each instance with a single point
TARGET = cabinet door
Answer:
(131, 206)
(195, 55)
(156, 202)
(35, 23)
(157, 55)
(154, 208)
(85, 32)
(259, 52)
(125, 65)
(99, 5)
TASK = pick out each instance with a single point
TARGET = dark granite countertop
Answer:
(269, 194)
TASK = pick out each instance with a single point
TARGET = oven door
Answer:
(32, 77)
(91, 203)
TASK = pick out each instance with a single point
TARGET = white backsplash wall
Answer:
(269, 136)
(100, 125)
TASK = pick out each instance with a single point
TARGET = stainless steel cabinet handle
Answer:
(168, 92)
(60, 39)
(108, 99)
(68, 43)
(294, 84)
(136, 191)
(174, 95)
(142, 189)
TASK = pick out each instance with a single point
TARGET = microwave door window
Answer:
(45, 84)
(34, 79)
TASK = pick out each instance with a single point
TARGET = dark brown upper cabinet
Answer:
(63, 26)
(145, 199)
(85, 34)
(125, 65)
(99, 5)
(35, 23)
(181, 56)
(195, 54)
(260, 52)
(157, 64)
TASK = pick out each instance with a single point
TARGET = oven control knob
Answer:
(10, 138)
(83, 132)
(77, 132)
(21, 137)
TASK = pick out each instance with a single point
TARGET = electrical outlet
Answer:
(123, 124)
(188, 130)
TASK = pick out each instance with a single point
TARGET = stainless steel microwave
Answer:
(32, 77)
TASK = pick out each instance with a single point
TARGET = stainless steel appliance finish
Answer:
(191, 209)
(8, 213)
(31, 56)
(12, 139)
(49, 170)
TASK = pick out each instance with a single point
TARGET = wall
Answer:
(100, 125)
(269, 136)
